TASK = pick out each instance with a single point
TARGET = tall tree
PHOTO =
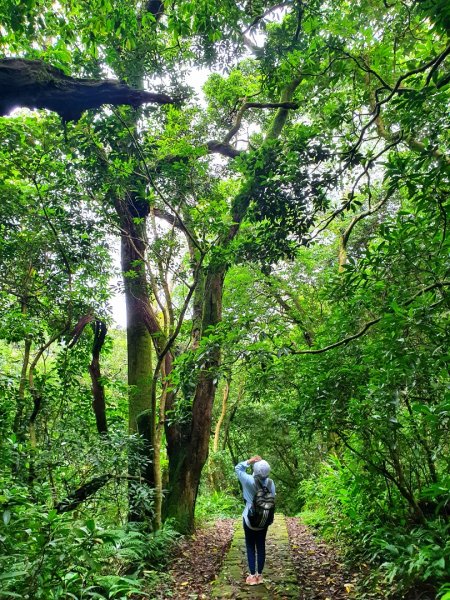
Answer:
(351, 90)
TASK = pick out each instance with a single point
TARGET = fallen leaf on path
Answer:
(197, 561)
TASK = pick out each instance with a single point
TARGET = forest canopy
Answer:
(276, 176)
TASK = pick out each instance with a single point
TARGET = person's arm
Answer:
(241, 469)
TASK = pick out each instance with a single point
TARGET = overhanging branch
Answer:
(356, 219)
(35, 84)
(89, 489)
(369, 324)
(216, 147)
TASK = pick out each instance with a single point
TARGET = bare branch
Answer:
(369, 324)
(395, 90)
(35, 84)
(440, 60)
(265, 14)
(398, 137)
(257, 50)
(216, 147)
(345, 236)
(247, 105)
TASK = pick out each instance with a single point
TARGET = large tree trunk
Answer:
(143, 330)
(188, 444)
(139, 341)
(223, 412)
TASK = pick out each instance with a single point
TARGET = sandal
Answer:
(252, 580)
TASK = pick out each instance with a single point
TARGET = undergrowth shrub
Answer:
(47, 555)
(419, 555)
(444, 592)
(217, 505)
(375, 527)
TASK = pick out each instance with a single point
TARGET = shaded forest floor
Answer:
(320, 573)
(198, 561)
(211, 564)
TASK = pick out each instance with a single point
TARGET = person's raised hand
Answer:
(253, 459)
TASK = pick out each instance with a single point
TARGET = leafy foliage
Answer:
(48, 555)
(289, 224)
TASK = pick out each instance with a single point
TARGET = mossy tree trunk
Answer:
(139, 341)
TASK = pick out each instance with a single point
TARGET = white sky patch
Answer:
(197, 78)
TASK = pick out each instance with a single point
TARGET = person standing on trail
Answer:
(255, 537)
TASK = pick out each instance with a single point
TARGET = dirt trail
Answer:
(212, 565)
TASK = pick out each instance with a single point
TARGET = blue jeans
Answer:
(255, 542)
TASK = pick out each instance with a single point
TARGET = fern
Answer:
(136, 549)
(116, 586)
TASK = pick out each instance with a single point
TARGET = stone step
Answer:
(280, 581)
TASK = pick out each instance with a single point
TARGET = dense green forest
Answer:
(276, 176)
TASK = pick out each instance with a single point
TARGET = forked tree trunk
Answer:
(188, 444)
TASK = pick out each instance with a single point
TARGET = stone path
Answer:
(280, 581)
